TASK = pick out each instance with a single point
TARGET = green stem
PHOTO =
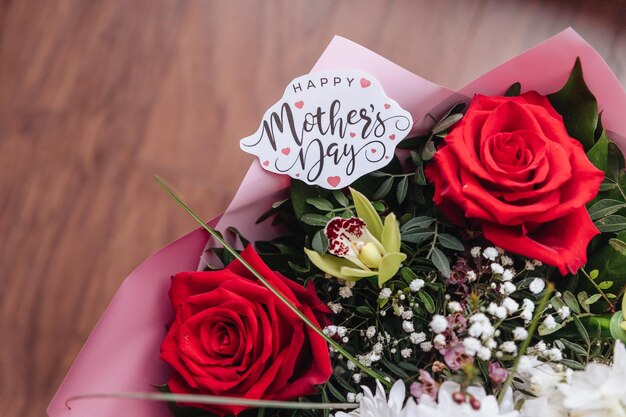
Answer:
(593, 282)
(524, 346)
(277, 293)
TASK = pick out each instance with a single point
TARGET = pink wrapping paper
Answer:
(122, 352)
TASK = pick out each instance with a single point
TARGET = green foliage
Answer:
(578, 107)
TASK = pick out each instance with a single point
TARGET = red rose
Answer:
(232, 337)
(510, 168)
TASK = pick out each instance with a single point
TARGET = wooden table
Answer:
(98, 96)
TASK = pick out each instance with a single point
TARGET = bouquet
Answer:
(472, 268)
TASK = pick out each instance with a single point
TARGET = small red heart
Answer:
(299, 104)
(392, 137)
(352, 134)
(386, 157)
(387, 105)
(333, 181)
(373, 150)
(286, 151)
(365, 83)
(297, 175)
(266, 163)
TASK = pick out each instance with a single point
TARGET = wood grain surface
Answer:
(98, 96)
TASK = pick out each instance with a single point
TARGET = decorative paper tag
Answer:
(329, 129)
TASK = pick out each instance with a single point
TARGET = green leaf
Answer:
(589, 301)
(618, 245)
(447, 122)
(420, 178)
(599, 153)
(429, 151)
(403, 187)
(582, 330)
(320, 203)
(578, 106)
(615, 162)
(313, 219)
(378, 206)
(604, 208)
(384, 189)
(605, 285)
(408, 274)
(417, 237)
(617, 332)
(613, 223)
(341, 198)
(514, 90)
(427, 300)
(574, 347)
(420, 222)
(319, 243)
(571, 302)
(450, 242)
(441, 262)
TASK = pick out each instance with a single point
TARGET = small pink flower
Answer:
(426, 386)
(497, 374)
(455, 356)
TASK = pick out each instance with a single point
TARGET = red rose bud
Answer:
(510, 168)
(232, 337)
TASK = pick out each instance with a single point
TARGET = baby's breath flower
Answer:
(510, 304)
(471, 276)
(537, 285)
(416, 285)
(357, 378)
(506, 260)
(549, 322)
(508, 347)
(407, 326)
(370, 332)
(407, 315)
(564, 312)
(496, 268)
(406, 353)
(417, 338)
(471, 345)
(490, 253)
(454, 306)
(475, 251)
(508, 275)
(426, 346)
(439, 323)
(507, 288)
(439, 340)
(335, 307)
(520, 333)
(555, 355)
(384, 293)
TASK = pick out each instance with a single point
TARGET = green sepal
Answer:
(388, 267)
(366, 211)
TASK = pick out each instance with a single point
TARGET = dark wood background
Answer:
(98, 96)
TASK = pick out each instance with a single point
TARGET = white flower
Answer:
(564, 312)
(377, 405)
(475, 251)
(407, 315)
(508, 288)
(406, 353)
(537, 285)
(510, 304)
(370, 332)
(508, 347)
(490, 253)
(471, 276)
(508, 275)
(497, 268)
(335, 307)
(549, 322)
(445, 406)
(384, 293)
(439, 323)
(471, 345)
(357, 378)
(507, 261)
(341, 331)
(520, 333)
(439, 340)
(377, 348)
(484, 353)
(426, 346)
(528, 307)
(407, 326)
(417, 338)
(555, 355)
(416, 285)
(599, 390)
(345, 292)
(454, 306)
